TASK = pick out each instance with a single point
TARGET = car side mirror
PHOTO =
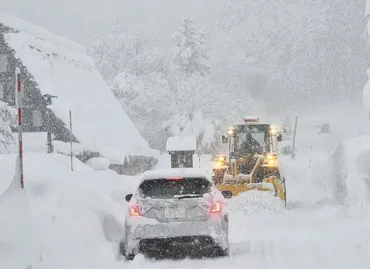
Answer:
(227, 194)
(279, 138)
(225, 140)
(128, 197)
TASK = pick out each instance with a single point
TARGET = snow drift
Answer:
(18, 247)
(351, 173)
(62, 68)
(76, 215)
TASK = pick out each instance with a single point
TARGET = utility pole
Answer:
(294, 135)
(71, 137)
(48, 101)
(18, 95)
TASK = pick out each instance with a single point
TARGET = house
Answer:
(54, 66)
(181, 150)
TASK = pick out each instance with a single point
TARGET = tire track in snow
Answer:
(264, 248)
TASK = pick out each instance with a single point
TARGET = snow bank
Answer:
(351, 172)
(164, 161)
(18, 247)
(65, 148)
(17, 242)
(78, 215)
(181, 143)
(62, 68)
(98, 163)
(255, 203)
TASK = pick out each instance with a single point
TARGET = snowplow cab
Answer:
(252, 161)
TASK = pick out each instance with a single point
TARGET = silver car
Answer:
(175, 210)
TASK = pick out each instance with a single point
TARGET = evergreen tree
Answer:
(191, 49)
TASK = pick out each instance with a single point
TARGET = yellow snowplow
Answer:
(252, 162)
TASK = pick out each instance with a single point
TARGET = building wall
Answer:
(181, 159)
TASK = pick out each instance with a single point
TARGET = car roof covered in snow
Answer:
(173, 173)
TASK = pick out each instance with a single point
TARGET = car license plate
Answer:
(174, 212)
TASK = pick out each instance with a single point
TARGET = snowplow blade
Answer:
(271, 184)
(236, 189)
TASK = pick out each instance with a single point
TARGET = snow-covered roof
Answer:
(62, 68)
(174, 172)
(181, 143)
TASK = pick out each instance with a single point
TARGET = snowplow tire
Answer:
(223, 252)
(122, 252)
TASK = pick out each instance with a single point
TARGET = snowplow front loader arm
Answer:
(278, 186)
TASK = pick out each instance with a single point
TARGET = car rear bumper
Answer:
(212, 232)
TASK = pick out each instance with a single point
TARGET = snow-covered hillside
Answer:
(63, 69)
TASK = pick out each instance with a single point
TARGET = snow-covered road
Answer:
(78, 217)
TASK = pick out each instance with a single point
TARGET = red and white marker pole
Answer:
(18, 98)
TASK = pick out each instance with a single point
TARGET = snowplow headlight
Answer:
(219, 164)
(221, 158)
(270, 159)
(273, 130)
(230, 131)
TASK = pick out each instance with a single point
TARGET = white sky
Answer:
(79, 20)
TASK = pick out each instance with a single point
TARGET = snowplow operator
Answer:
(250, 145)
(247, 150)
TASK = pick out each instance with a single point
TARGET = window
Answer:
(165, 188)
(3, 63)
(257, 133)
(36, 118)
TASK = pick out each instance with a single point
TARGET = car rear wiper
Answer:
(187, 196)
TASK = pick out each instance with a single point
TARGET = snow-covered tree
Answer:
(130, 52)
(164, 99)
(191, 49)
(7, 118)
(307, 50)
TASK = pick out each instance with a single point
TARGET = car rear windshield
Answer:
(165, 188)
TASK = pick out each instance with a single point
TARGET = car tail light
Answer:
(175, 178)
(216, 207)
(134, 210)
